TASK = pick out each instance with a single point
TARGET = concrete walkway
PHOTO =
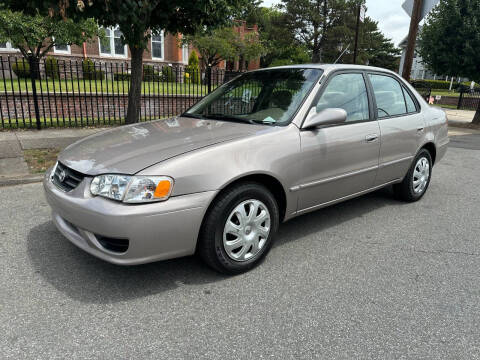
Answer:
(462, 116)
(13, 168)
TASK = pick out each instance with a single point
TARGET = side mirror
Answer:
(328, 116)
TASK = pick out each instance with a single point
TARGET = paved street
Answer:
(369, 278)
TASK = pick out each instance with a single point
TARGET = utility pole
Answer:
(412, 37)
(357, 26)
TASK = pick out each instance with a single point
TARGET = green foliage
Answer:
(36, 34)
(432, 84)
(450, 39)
(150, 74)
(192, 70)
(121, 76)
(51, 67)
(214, 46)
(90, 72)
(168, 74)
(21, 68)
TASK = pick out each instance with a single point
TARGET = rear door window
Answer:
(410, 103)
(388, 95)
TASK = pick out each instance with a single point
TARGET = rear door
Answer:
(340, 160)
(401, 126)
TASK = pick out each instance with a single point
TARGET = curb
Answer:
(19, 180)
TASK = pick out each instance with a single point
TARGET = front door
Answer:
(340, 160)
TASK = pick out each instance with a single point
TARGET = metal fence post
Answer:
(460, 99)
(33, 75)
(209, 78)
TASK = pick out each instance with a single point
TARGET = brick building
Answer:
(162, 49)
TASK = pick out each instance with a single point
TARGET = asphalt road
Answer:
(369, 278)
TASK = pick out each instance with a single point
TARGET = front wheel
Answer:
(416, 182)
(239, 228)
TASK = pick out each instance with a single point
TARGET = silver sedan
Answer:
(263, 148)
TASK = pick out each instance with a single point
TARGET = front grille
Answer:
(65, 178)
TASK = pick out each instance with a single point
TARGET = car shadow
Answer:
(87, 279)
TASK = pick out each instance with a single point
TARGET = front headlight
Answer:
(132, 189)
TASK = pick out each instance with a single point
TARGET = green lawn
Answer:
(445, 93)
(102, 86)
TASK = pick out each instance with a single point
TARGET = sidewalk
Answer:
(13, 167)
(461, 116)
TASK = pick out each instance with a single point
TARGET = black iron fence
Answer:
(86, 93)
(469, 99)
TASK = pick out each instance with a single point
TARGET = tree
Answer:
(213, 46)
(225, 43)
(138, 20)
(449, 41)
(311, 20)
(281, 47)
(35, 35)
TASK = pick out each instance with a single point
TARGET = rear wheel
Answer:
(416, 182)
(239, 228)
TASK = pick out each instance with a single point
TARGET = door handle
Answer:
(420, 129)
(371, 138)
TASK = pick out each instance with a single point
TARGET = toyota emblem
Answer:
(62, 175)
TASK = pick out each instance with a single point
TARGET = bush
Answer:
(192, 71)
(121, 76)
(168, 74)
(150, 74)
(21, 68)
(90, 72)
(51, 68)
(433, 84)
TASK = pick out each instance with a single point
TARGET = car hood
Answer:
(129, 149)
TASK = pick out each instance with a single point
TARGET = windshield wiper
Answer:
(195, 116)
(227, 118)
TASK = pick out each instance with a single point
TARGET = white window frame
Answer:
(8, 47)
(56, 51)
(163, 46)
(185, 51)
(112, 46)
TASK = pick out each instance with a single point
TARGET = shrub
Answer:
(192, 71)
(168, 74)
(21, 68)
(150, 74)
(90, 72)
(121, 76)
(433, 84)
(51, 67)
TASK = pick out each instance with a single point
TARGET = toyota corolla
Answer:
(261, 149)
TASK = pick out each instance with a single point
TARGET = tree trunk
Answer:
(476, 118)
(316, 56)
(134, 94)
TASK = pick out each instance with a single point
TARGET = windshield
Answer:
(267, 97)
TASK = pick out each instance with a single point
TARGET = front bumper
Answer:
(155, 231)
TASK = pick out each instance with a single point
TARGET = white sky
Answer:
(393, 21)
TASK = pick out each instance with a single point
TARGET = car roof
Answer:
(330, 67)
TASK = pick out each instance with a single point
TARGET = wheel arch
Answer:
(432, 149)
(268, 180)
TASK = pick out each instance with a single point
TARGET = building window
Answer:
(61, 48)
(185, 53)
(6, 46)
(112, 44)
(157, 46)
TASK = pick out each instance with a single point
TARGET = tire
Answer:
(406, 190)
(217, 239)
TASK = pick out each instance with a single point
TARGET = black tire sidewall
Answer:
(242, 193)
